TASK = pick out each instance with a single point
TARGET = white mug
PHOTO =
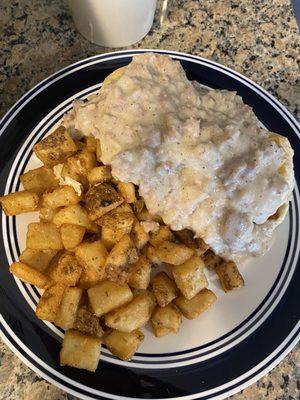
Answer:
(113, 23)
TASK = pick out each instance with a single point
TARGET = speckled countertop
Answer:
(255, 37)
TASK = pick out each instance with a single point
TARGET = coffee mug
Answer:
(113, 23)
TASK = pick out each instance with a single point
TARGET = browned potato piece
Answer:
(139, 236)
(29, 275)
(211, 260)
(140, 273)
(38, 259)
(164, 289)
(100, 199)
(173, 253)
(79, 165)
(80, 351)
(46, 214)
(119, 260)
(19, 202)
(197, 305)
(91, 143)
(229, 276)
(76, 215)
(99, 174)
(138, 206)
(39, 180)
(66, 314)
(86, 281)
(202, 247)
(71, 235)
(124, 344)
(151, 254)
(133, 315)
(49, 303)
(92, 257)
(66, 271)
(107, 296)
(127, 191)
(162, 234)
(55, 148)
(87, 322)
(186, 236)
(62, 197)
(190, 277)
(165, 320)
(43, 235)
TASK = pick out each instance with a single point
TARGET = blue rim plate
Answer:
(246, 334)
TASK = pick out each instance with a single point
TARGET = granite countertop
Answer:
(255, 37)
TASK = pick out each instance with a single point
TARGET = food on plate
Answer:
(143, 188)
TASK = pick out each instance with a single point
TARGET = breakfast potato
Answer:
(162, 234)
(19, 202)
(151, 254)
(87, 322)
(66, 270)
(145, 216)
(107, 296)
(197, 305)
(79, 165)
(173, 253)
(55, 148)
(186, 236)
(29, 275)
(43, 235)
(86, 280)
(37, 259)
(190, 277)
(49, 303)
(139, 236)
(92, 257)
(75, 215)
(165, 320)
(164, 289)
(133, 315)
(91, 143)
(39, 180)
(61, 197)
(202, 247)
(229, 276)
(124, 344)
(46, 214)
(114, 225)
(99, 175)
(119, 260)
(127, 190)
(139, 277)
(100, 199)
(138, 206)
(211, 260)
(71, 235)
(80, 351)
(66, 314)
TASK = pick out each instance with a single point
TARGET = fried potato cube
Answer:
(114, 225)
(55, 148)
(80, 351)
(229, 276)
(62, 197)
(99, 174)
(165, 320)
(151, 254)
(92, 257)
(186, 236)
(43, 235)
(107, 296)
(124, 344)
(127, 190)
(140, 273)
(86, 281)
(133, 315)
(164, 289)
(71, 235)
(162, 234)
(75, 215)
(119, 260)
(100, 199)
(139, 236)
(190, 277)
(49, 303)
(19, 202)
(39, 180)
(91, 143)
(46, 214)
(79, 165)
(29, 275)
(211, 260)
(66, 314)
(197, 305)
(66, 271)
(37, 259)
(202, 247)
(138, 206)
(173, 253)
(87, 322)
